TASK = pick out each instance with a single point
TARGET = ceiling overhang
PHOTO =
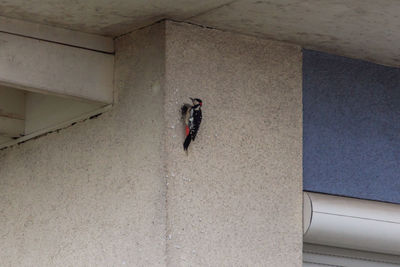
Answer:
(364, 29)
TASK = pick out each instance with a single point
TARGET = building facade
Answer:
(118, 189)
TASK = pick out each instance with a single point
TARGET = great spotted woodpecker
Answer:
(191, 114)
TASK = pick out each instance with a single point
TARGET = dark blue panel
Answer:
(351, 128)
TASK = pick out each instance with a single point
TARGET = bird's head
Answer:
(196, 101)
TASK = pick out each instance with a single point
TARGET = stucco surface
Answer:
(235, 199)
(94, 194)
(366, 29)
(118, 190)
(105, 17)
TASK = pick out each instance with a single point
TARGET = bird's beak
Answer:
(191, 99)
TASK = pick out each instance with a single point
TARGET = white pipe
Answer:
(351, 223)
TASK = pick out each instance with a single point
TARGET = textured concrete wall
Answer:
(235, 199)
(94, 194)
(351, 127)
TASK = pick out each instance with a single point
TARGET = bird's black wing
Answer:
(195, 124)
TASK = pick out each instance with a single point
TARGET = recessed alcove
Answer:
(27, 114)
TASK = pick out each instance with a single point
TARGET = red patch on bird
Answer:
(187, 130)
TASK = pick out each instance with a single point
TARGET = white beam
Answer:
(57, 35)
(52, 68)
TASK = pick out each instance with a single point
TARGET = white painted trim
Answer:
(320, 260)
(352, 223)
(317, 255)
(57, 35)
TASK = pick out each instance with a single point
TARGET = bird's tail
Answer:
(187, 142)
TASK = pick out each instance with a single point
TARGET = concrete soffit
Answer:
(57, 35)
(363, 29)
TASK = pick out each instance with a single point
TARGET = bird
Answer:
(191, 115)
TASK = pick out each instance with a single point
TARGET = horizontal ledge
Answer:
(46, 67)
(57, 35)
(11, 115)
(56, 127)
